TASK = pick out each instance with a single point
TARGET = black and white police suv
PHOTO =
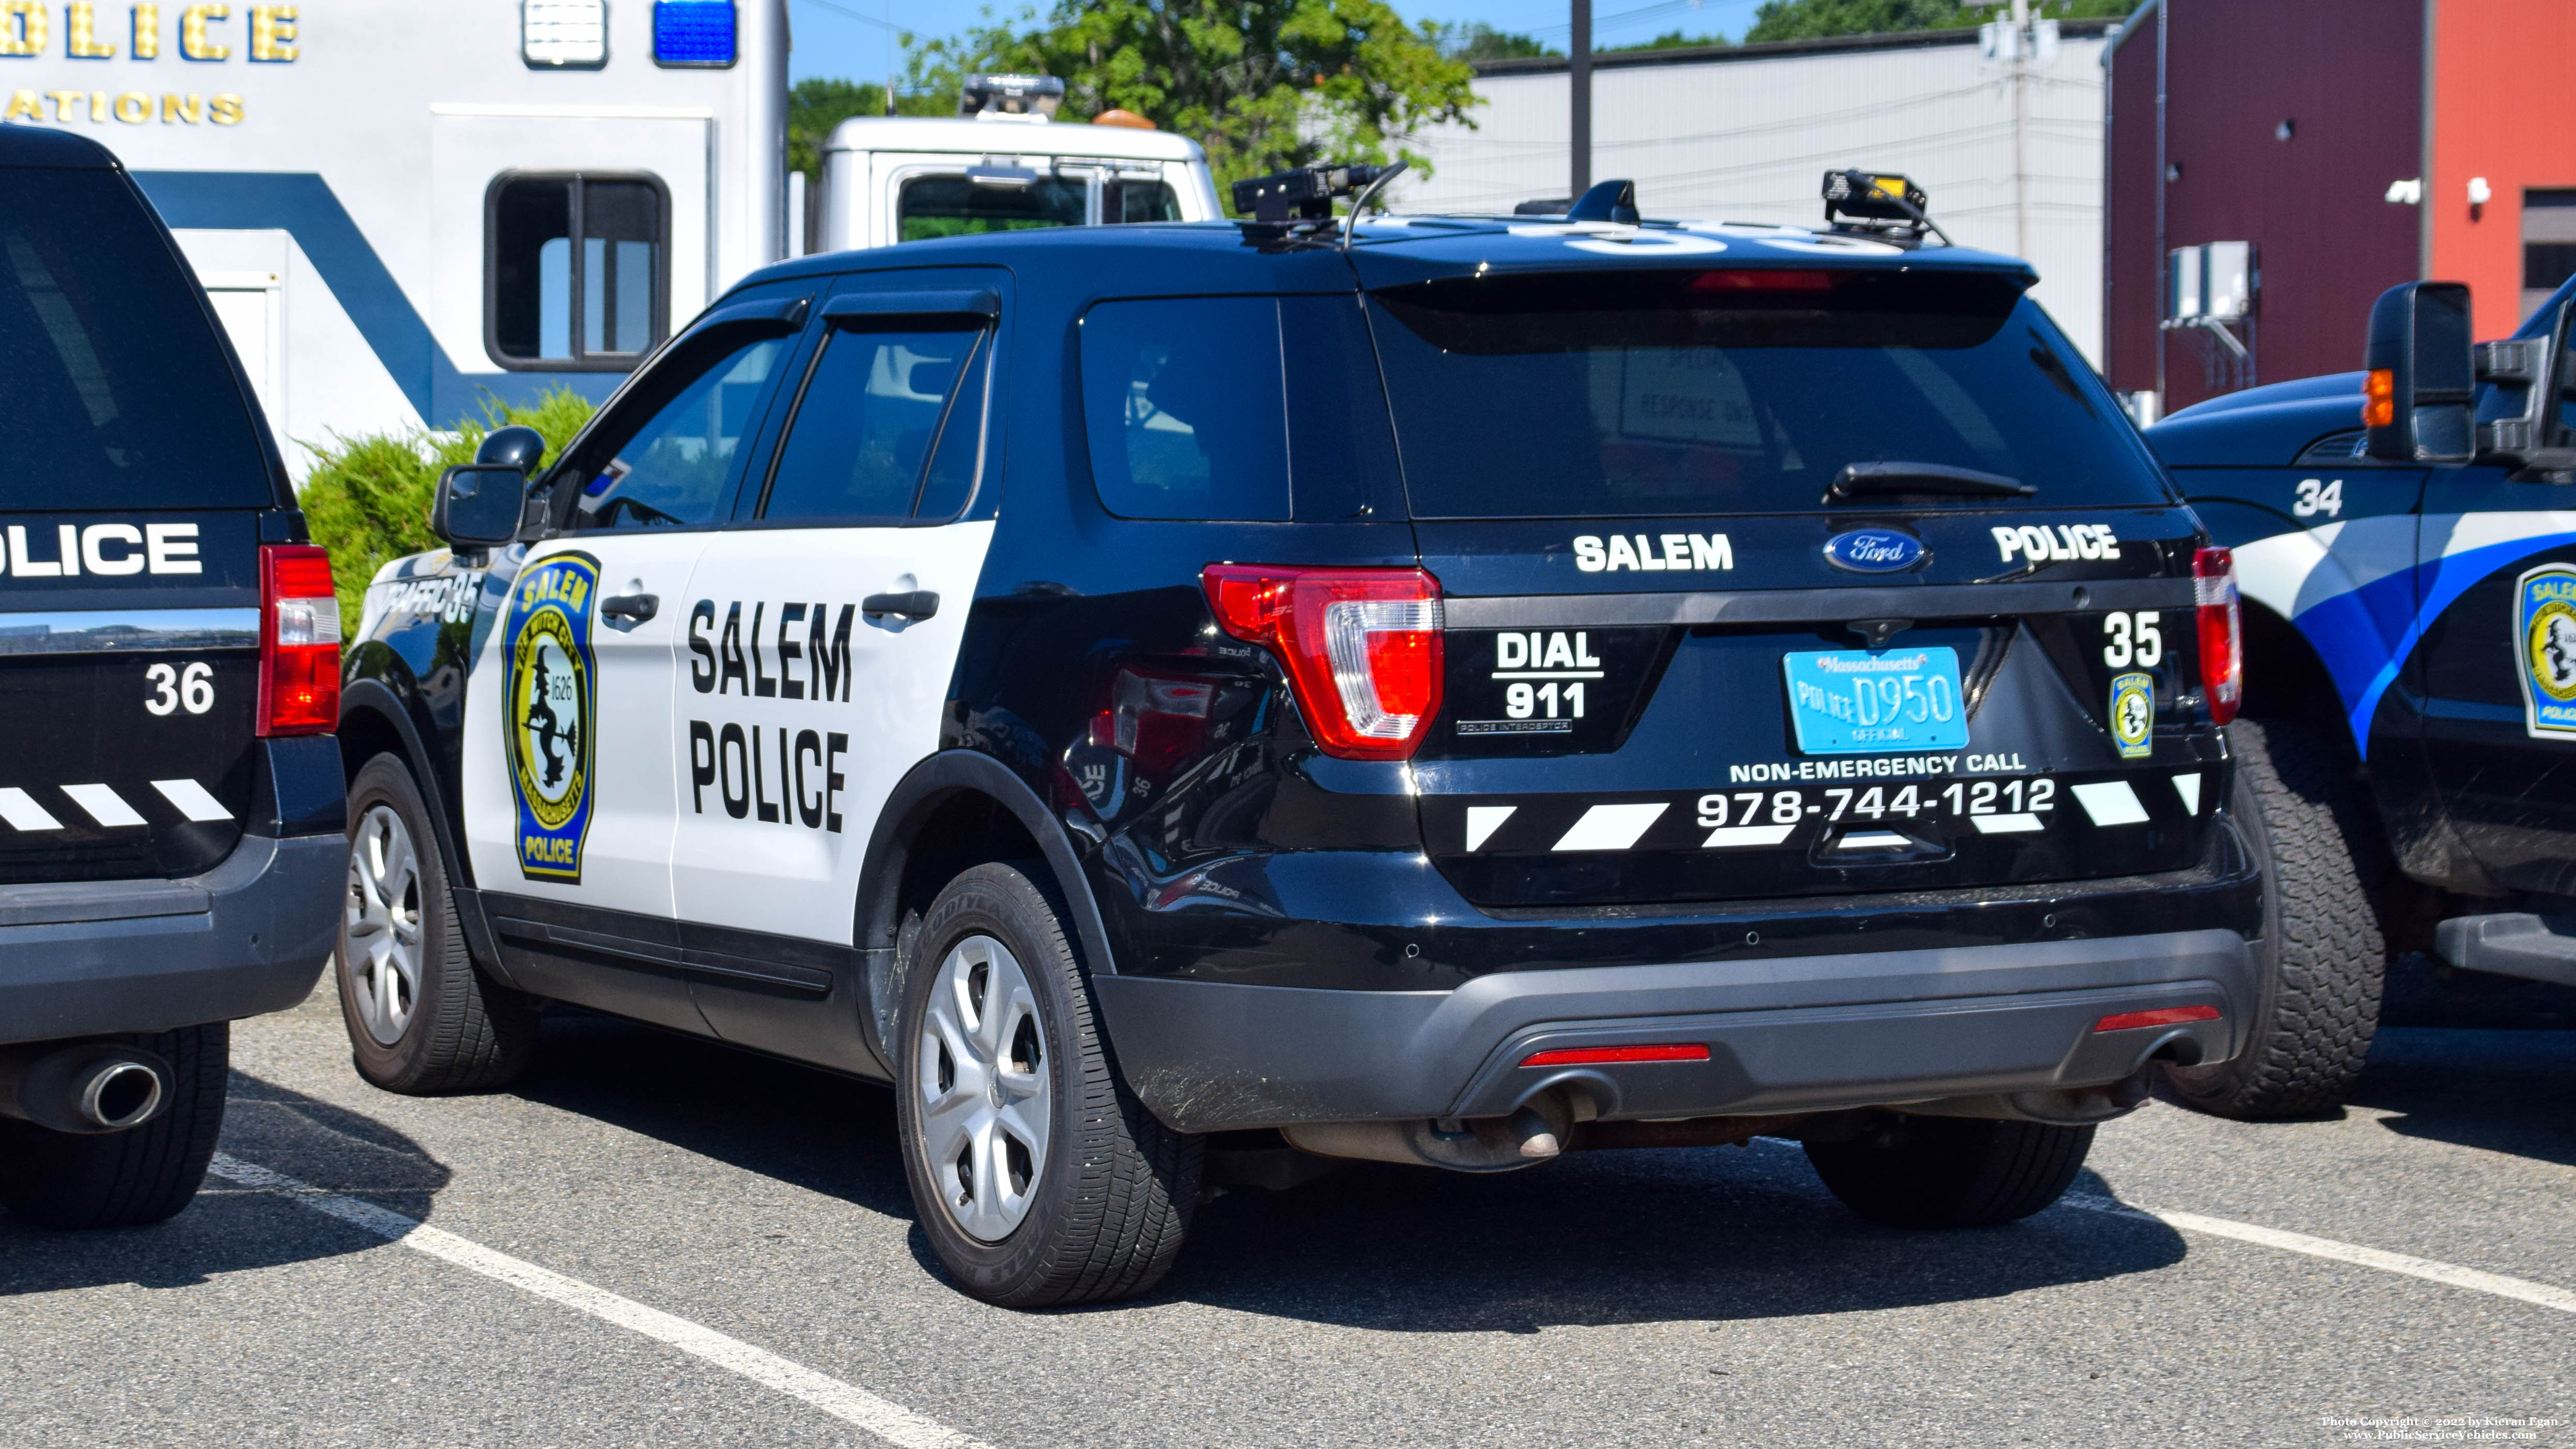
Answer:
(171, 842)
(1182, 702)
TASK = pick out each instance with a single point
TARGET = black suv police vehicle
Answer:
(1455, 694)
(2408, 548)
(170, 807)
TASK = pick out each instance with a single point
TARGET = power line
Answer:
(855, 15)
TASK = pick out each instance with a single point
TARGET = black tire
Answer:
(461, 1031)
(1107, 1209)
(2324, 953)
(125, 1179)
(1951, 1172)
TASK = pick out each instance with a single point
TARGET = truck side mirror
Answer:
(479, 505)
(2417, 396)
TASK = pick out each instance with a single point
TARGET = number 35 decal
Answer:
(2317, 497)
(192, 690)
(2133, 638)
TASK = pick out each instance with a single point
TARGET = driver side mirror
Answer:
(479, 505)
(2417, 396)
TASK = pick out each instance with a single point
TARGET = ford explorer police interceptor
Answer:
(2406, 540)
(1191, 700)
(170, 801)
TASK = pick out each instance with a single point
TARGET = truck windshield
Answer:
(1636, 394)
(114, 392)
(937, 206)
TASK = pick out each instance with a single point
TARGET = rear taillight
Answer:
(299, 641)
(1362, 647)
(2222, 649)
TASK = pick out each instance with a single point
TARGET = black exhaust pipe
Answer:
(86, 1088)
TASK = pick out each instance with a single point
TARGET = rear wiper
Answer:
(1877, 480)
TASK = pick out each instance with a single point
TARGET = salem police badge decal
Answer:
(550, 699)
(2544, 603)
(2133, 715)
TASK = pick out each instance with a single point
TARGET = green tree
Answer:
(1669, 40)
(818, 103)
(1473, 41)
(367, 499)
(1262, 84)
(1813, 19)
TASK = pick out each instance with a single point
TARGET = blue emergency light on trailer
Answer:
(693, 33)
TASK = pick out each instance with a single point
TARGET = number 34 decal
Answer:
(2317, 496)
(192, 689)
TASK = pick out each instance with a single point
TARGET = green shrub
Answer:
(367, 498)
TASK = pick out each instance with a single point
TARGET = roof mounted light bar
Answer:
(1010, 97)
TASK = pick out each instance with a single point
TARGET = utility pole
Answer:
(1579, 74)
(2021, 126)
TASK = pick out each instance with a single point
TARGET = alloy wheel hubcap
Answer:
(982, 1085)
(381, 936)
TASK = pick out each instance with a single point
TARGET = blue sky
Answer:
(832, 39)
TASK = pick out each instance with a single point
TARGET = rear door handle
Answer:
(632, 608)
(918, 605)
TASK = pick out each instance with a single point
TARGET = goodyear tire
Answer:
(423, 1019)
(1951, 1172)
(125, 1179)
(2324, 954)
(1038, 1178)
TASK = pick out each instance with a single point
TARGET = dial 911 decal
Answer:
(2545, 623)
(551, 695)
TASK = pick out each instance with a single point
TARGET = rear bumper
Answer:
(249, 936)
(1784, 1035)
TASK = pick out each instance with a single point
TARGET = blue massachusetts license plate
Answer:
(1854, 701)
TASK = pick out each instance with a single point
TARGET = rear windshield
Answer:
(937, 206)
(1635, 394)
(113, 389)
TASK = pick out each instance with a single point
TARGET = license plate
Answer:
(1856, 701)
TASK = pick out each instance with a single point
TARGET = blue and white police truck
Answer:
(2405, 540)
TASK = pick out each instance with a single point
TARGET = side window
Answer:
(671, 471)
(1184, 405)
(1130, 198)
(937, 206)
(576, 272)
(858, 447)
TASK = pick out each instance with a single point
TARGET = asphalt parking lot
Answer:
(656, 1241)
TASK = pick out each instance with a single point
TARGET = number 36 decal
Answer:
(192, 689)
(2132, 638)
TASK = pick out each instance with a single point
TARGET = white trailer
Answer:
(403, 207)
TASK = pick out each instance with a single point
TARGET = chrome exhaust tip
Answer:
(84, 1088)
(120, 1093)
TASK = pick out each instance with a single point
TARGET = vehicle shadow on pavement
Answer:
(230, 1229)
(825, 1133)
(2499, 1091)
(1619, 1237)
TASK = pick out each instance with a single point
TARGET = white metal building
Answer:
(404, 207)
(1746, 133)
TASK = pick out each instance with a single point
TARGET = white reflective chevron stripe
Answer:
(2111, 802)
(2014, 824)
(1483, 821)
(104, 805)
(1610, 827)
(193, 800)
(1725, 835)
(1873, 840)
(23, 813)
(2188, 787)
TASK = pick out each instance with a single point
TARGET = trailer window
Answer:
(577, 274)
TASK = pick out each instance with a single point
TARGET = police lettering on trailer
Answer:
(736, 759)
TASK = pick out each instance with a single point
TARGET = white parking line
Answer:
(890, 1422)
(2520, 1289)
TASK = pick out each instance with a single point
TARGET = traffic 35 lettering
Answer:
(2032, 795)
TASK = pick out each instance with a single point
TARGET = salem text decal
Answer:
(778, 773)
(1654, 554)
(551, 695)
(2545, 623)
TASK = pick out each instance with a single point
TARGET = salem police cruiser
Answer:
(2407, 539)
(170, 803)
(1187, 702)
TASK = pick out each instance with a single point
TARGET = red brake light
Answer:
(299, 641)
(1361, 646)
(2170, 1016)
(1765, 279)
(1603, 1056)
(2222, 648)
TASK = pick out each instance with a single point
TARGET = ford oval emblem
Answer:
(1873, 551)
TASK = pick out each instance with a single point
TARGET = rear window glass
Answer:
(1633, 394)
(113, 389)
(1185, 409)
(937, 206)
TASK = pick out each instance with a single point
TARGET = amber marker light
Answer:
(2379, 398)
